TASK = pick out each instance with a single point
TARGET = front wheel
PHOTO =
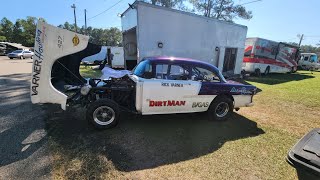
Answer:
(103, 113)
(220, 108)
(21, 57)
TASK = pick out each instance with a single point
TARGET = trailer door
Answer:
(230, 57)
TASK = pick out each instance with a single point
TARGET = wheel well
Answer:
(226, 95)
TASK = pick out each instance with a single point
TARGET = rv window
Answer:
(306, 58)
(313, 58)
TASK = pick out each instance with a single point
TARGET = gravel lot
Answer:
(23, 139)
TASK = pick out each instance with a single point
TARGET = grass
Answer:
(90, 72)
(252, 144)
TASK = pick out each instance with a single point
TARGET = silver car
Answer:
(21, 54)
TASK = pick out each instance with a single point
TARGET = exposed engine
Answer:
(120, 90)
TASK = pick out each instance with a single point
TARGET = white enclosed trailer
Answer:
(118, 59)
(150, 30)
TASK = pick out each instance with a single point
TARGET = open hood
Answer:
(56, 61)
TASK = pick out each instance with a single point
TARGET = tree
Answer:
(18, 32)
(221, 9)
(29, 29)
(178, 4)
(6, 27)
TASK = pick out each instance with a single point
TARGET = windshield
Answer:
(313, 58)
(18, 51)
(143, 69)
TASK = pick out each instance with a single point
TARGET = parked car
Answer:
(21, 54)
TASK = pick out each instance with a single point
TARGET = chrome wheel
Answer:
(104, 115)
(222, 109)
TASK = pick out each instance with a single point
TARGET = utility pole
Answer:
(85, 21)
(301, 37)
(75, 18)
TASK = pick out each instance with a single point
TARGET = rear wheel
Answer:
(103, 113)
(11, 58)
(220, 108)
(21, 57)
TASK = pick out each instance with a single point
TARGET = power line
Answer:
(249, 2)
(105, 10)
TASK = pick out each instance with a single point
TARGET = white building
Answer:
(150, 30)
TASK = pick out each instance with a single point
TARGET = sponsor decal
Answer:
(166, 103)
(38, 58)
(241, 90)
(200, 104)
(171, 84)
(75, 40)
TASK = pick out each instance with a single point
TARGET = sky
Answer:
(278, 20)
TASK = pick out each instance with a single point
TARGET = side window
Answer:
(161, 71)
(306, 58)
(178, 72)
(201, 74)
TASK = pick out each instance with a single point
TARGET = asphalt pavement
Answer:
(23, 149)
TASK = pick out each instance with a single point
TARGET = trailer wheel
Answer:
(103, 113)
(267, 71)
(220, 108)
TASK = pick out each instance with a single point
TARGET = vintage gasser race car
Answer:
(157, 85)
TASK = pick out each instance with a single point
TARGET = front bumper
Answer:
(13, 56)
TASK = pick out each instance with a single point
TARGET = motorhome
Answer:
(266, 56)
(309, 61)
(150, 30)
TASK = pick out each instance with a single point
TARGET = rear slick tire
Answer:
(220, 108)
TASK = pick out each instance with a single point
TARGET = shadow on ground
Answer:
(272, 79)
(22, 131)
(147, 141)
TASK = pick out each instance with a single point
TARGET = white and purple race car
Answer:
(157, 85)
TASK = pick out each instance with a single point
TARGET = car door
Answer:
(170, 90)
(26, 54)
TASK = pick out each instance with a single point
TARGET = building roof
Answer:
(181, 12)
(16, 45)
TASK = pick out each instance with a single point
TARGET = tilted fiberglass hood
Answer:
(56, 61)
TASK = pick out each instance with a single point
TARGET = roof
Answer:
(16, 45)
(181, 12)
(179, 59)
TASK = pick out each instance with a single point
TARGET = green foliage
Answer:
(221, 9)
(99, 36)
(3, 39)
(22, 31)
(307, 48)
(167, 3)
(6, 27)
